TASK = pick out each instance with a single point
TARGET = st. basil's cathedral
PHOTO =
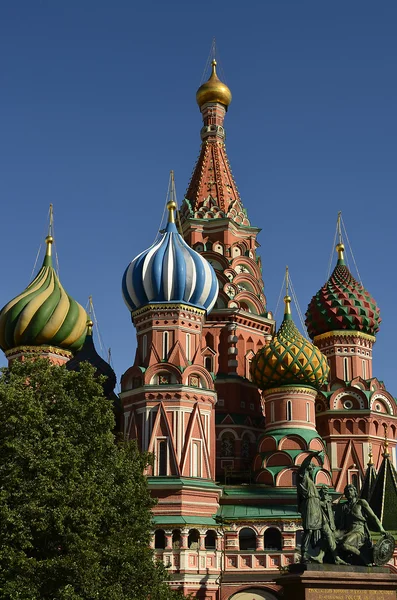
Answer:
(229, 404)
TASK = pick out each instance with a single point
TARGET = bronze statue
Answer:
(354, 536)
(317, 516)
(349, 535)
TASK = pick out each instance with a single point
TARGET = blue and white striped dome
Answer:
(170, 271)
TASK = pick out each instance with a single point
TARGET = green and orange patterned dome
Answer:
(43, 314)
(289, 359)
(342, 304)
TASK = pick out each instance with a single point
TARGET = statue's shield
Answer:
(383, 550)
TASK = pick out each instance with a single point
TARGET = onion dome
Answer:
(89, 354)
(342, 304)
(214, 90)
(43, 314)
(170, 271)
(289, 359)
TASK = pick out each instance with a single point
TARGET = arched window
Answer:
(349, 426)
(144, 346)
(166, 342)
(227, 445)
(294, 478)
(176, 539)
(210, 539)
(247, 539)
(354, 480)
(208, 363)
(364, 369)
(308, 412)
(298, 537)
(246, 447)
(193, 541)
(162, 452)
(289, 410)
(159, 539)
(272, 417)
(188, 346)
(272, 539)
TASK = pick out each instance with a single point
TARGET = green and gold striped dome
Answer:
(44, 314)
(289, 359)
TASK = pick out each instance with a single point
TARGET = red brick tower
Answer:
(216, 224)
(353, 409)
(168, 396)
(290, 370)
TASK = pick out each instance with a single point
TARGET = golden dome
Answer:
(214, 90)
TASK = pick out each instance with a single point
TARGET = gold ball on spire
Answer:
(171, 205)
(214, 90)
(340, 248)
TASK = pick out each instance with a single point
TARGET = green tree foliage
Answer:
(75, 514)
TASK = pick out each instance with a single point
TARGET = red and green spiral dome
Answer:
(342, 304)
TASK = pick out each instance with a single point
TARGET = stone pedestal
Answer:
(335, 582)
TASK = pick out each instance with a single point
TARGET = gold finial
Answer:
(340, 249)
(214, 90)
(171, 204)
(287, 297)
(340, 246)
(49, 241)
(90, 325)
(370, 455)
(386, 443)
(338, 222)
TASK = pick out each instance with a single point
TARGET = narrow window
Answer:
(346, 368)
(272, 418)
(165, 344)
(354, 480)
(144, 347)
(308, 412)
(364, 369)
(196, 459)
(162, 458)
(188, 346)
(289, 410)
(208, 363)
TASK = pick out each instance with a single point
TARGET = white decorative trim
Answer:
(353, 394)
(378, 396)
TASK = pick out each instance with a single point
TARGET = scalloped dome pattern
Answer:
(289, 359)
(43, 315)
(170, 271)
(342, 304)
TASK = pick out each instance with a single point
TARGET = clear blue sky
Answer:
(98, 104)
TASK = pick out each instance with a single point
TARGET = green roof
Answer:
(181, 482)
(244, 511)
(307, 434)
(179, 520)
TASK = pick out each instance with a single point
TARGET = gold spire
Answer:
(386, 443)
(370, 455)
(339, 246)
(171, 204)
(49, 239)
(287, 297)
(214, 90)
